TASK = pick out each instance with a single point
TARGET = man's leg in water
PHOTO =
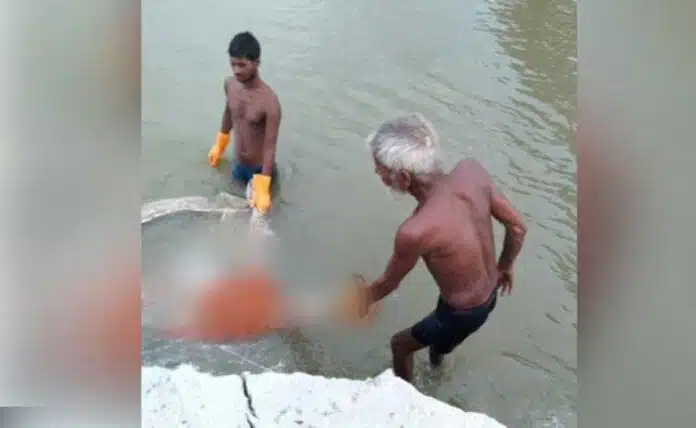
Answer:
(403, 346)
(452, 328)
(242, 173)
(436, 358)
(431, 332)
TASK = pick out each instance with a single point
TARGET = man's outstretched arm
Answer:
(515, 229)
(407, 251)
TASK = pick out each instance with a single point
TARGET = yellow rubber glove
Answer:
(218, 149)
(260, 193)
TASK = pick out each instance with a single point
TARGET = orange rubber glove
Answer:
(218, 149)
(260, 196)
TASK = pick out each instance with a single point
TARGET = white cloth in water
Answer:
(249, 191)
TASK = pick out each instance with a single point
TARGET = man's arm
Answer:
(273, 114)
(407, 251)
(226, 123)
(223, 136)
(515, 229)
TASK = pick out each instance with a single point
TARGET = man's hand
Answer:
(363, 303)
(218, 149)
(505, 280)
(356, 306)
(515, 232)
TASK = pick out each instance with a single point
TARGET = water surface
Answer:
(498, 81)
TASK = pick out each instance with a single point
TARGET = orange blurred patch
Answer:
(102, 334)
(246, 306)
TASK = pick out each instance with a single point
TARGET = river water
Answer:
(498, 81)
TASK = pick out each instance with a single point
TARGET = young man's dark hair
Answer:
(244, 45)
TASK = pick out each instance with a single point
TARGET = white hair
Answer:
(407, 143)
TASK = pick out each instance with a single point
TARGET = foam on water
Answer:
(224, 204)
(185, 397)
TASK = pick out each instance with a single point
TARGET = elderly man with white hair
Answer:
(451, 229)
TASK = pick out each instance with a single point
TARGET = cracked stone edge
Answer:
(251, 415)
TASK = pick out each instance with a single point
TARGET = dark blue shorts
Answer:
(244, 173)
(445, 328)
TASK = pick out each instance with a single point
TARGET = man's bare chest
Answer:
(246, 107)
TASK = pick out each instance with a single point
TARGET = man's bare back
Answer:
(249, 110)
(459, 250)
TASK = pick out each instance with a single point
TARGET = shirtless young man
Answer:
(253, 111)
(451, 229)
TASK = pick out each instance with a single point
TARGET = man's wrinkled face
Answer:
(244, 69)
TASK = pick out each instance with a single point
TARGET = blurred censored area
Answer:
(251, 301)
(636, 207)
(71, 203)
(237, 307)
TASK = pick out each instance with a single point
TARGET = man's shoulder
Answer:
(469, 166)
(470, 172)
(229, 81)
(270, 94)
(230, 84)
(416, 227)
(409, 235)
(271, 103)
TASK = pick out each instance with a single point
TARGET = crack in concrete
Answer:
(250, 403)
